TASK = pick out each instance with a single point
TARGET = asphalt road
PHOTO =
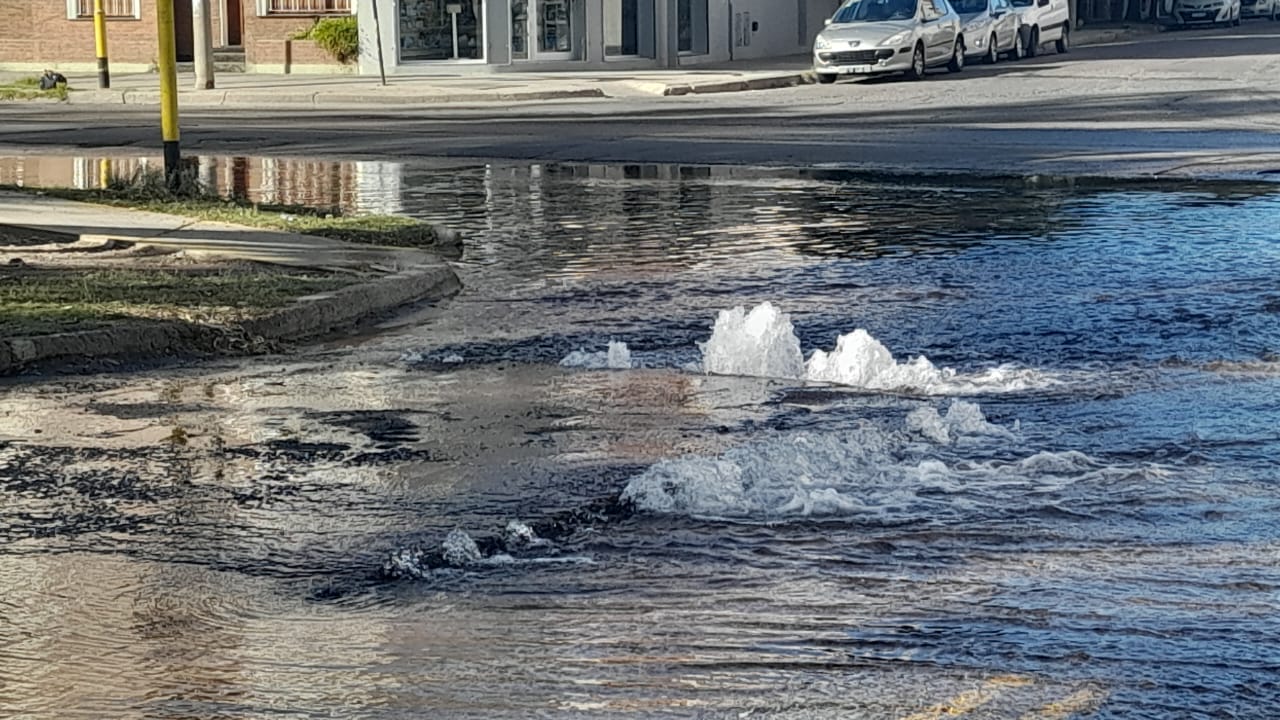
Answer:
(1202, 103)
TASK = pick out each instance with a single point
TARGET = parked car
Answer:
(1260, 9)
(1205, 12)
(1044, 21)
(991, 28)
(866, 37)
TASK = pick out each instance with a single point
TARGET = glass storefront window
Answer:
(629, 29)
(441, 29)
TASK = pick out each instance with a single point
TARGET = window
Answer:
(306, 7)
(82, 9)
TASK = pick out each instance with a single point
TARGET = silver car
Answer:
(1260, 9)
(867, 37)
(990, 28)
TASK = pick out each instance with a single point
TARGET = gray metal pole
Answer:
(202, 27)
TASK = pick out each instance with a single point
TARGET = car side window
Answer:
(933, 9)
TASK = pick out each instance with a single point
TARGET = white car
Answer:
(1260, 9)
(1205, 12)
(867, 37)
(991, 28)
(1044, 21)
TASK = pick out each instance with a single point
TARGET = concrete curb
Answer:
(306, 317)
(765, 83)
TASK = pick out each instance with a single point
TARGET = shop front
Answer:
(477, 36)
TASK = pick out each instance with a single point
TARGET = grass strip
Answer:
(29, 89)
(43, 301)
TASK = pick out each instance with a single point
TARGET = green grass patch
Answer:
(29, 89)
(42, 301)
(149, 191)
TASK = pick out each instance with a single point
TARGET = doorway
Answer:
(547, 29)
(233, 23)
(183, 32)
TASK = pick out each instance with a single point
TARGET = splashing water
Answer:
(962, 419)
(860, 360)
(763, 343)
(760, 343)
(873, 475)
(459, 549)
(617, 357)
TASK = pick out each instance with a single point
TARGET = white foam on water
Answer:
(617, 357)
(860, 360)
(760, 343)
(460, 550)
(962, 419)
(869, 473)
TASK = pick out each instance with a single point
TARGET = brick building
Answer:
(58, 34)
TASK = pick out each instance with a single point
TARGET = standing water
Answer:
(692, 442)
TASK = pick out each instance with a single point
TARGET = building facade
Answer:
(58, 34)
(459, 36)
(423, 36)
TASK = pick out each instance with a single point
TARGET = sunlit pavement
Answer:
(1183, 104)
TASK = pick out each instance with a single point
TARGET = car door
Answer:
(1006, 23)
(939, 35)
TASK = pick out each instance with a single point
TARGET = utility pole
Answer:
(202, 26)
(168, 65)
(100, 43)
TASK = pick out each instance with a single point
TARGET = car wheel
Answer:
(1033, 43)
(1018, 50)
(917, 63)
(1064, 42)
(826, 78)
(957, 56)
(993, 50)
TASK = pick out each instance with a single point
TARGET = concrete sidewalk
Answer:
(346, 91)
(101, 223)
(388, 278)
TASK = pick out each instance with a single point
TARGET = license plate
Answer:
(860, 69)
(1199, 16)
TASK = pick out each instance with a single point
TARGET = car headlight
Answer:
(972, 26)
(898, 38)
(821, 43)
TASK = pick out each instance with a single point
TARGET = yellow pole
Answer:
(168, 64)
(104, 173)
(100, 43)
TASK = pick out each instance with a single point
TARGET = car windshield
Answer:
(964, 7)
(1023, 3)
(875, 11)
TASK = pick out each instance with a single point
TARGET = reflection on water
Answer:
(269, 538)
(353, 186)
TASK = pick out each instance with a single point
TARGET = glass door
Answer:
(554, 30)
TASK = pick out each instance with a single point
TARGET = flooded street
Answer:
(1043, 482)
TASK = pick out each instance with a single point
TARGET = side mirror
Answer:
(826, 22)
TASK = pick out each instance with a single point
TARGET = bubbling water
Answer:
(617, 357)
(762, 343)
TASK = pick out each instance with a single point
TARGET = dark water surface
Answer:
(1079, 518)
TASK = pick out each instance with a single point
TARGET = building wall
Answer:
(36, 35)
(268, 50)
